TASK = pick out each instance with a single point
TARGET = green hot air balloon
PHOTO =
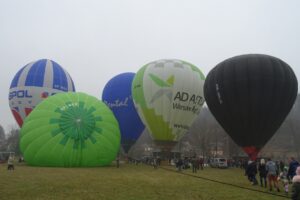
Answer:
(70, 130)
(168, 95)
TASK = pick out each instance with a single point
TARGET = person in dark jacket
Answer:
(281, 165)
(251, 172)
(292, 168)
(201, 163)
(262, 173)
(296, 185)
(179, 164)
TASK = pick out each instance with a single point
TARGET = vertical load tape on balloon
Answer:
(250, 96)
(70, 130)
(117, 96)
(168, 95)
(34, 83)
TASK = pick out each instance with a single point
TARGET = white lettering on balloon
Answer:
(117, 103)
(69, 105)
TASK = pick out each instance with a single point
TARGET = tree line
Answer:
(9, 142)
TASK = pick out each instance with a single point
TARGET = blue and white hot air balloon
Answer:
(35, 82)
(117, 95)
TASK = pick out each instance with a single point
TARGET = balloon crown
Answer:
(77, 123)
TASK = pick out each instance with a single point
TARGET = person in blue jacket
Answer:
(292, 168)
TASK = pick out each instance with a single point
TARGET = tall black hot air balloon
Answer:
(250, 96)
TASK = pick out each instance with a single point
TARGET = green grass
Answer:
(128, 182)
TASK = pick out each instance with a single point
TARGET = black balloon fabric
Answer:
(250, 96)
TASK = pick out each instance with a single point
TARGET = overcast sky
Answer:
(96, 40)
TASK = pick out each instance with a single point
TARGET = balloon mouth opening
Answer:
(252, 152)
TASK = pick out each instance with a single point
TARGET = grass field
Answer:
(127, 182)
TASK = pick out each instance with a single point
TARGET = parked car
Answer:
(219, 163)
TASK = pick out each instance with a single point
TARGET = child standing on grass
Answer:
(286, 186)
(284, 180)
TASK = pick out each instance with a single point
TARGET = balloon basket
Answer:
(165, 152)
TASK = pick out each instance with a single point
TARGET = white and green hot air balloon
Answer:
(168, 95)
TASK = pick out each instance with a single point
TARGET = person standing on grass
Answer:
(194, 164)
(155, 164)
(179, 164)
(292, 168)
(286, 186)
(296, 185)
(118, 161)
(10, 163)
(281, 165)
(262, 173)
(272, 174)
(158, 161)
(251, 172)
(201, 163)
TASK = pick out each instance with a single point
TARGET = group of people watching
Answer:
(272, 174)
(195, 163)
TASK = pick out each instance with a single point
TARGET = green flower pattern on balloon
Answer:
(76, 123)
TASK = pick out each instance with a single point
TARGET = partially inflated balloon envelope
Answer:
(35, 82)
(117, 95)
(70, 130)
(168, 95)
(250, 96)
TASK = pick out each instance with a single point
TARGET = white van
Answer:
(219, 163)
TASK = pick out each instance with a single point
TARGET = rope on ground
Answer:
(224, 183)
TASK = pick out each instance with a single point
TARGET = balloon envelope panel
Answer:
(117, 95)
(168, 95)
(250, 96)
(35, 82)
(70, 130)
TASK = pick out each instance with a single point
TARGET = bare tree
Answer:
(12, 141)
(2, 133)
(2, 139)
(293, 121)
(233, 149)
(285, 141)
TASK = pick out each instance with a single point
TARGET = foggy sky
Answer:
(96, 40)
